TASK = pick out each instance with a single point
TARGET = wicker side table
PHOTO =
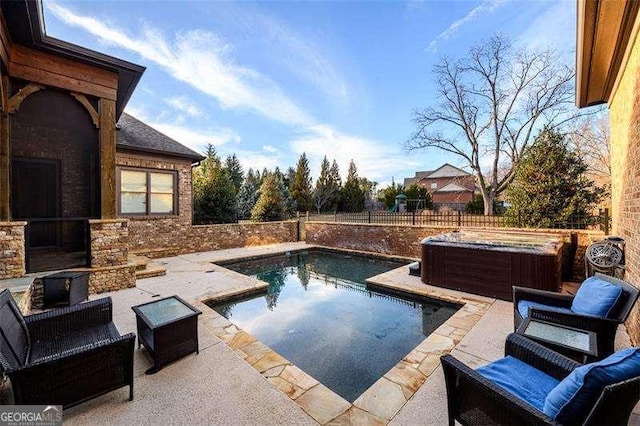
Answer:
(168, 329)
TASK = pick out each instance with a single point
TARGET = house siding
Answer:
(625, 172)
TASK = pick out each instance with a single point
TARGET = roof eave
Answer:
(128, 148)
(604, 29)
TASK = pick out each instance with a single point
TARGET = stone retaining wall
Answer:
(12, 250)
(165, 237)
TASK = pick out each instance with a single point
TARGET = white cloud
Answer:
(196, 139)
(484, 8)
(374, 159)
(182, 104)
(256, 160)
(200, 59)
(558, 24)
(270, 148)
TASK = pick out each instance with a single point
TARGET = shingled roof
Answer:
(135, 135)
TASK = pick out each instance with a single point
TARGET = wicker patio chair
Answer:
(475, 400)
(557, 309)
(65, 356)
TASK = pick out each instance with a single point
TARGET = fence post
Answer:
(307, 215)
(335, 215)
(369, 216)
(606, 221)
(459, 219)
(413, 217)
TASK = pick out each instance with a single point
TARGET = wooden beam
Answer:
(107, 109)
(13, 104)
(21, 55)
(5, 43)
(95, 117)
(37, 75)
(4, 153)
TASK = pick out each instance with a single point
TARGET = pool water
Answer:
(319, 314)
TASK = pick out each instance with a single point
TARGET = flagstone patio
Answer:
(235, 379)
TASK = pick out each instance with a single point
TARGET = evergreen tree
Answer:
(335, 183)
(301, 185)
(388, 194)
(549, 187)
(288, 177)
(213, 191)
(271, 204)
(248, 194)
(290, 203)
(234, 169)
(351, 194)
(324, 192)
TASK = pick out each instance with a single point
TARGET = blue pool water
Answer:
(319, 314)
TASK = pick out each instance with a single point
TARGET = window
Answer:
(434, 185)
(147, 192)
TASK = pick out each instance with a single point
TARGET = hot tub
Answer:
(490, 263)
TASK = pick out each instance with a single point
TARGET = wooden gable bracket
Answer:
(14, 102)
(95, 117)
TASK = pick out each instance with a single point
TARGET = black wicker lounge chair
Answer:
(65, 356)
(556, 308)
(473, 399)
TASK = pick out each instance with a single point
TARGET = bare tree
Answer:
(591, 140)
(493, 102)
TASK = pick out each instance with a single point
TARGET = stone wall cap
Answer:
(98, 221)
(18, 223)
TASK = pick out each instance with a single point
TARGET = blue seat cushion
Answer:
(520, 379)
(574, 397)
(596, 297)
(523, 307)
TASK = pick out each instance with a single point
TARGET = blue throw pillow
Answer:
(596, 297)
(574, 397)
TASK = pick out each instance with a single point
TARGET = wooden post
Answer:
(4, 153)
(107, 109)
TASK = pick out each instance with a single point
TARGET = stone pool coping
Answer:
(381, 402)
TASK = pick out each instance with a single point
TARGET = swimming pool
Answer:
(319, 314)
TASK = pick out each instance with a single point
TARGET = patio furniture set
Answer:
(559, 365)
(69, 355)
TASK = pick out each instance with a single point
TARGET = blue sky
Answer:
(270, 80)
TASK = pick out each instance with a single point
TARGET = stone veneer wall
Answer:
(109, 242)
(158, 238)
(110, 267)
(12, 250)
(404, 240)
(624, 113)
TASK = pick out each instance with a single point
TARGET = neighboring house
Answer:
(608, 70)
(448, 186)
(68, 173)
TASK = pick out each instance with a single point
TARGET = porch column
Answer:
(4, 152)
(107, 159)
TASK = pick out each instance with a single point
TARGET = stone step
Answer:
(141, 262)
(152, 270)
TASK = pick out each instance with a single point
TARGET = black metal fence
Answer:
(601, 220)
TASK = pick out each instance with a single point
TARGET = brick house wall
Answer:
(625, 167)
(157, 232)
(160, 236)
(449, 197)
